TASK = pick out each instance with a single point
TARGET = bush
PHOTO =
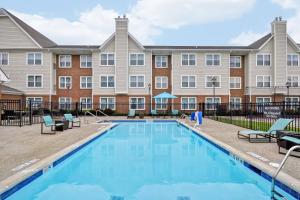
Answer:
(108, 111)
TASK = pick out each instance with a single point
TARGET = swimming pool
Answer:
(141, 160)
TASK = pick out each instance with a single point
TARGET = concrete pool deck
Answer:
(21, 147)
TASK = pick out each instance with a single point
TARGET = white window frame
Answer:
(65, 61)
(188, 81)
(162, 105)
(160, 61)
(137, 103)
(137, 59)
(107, 63)
(65, 103)
(159, 79)
(264, 54)
(65, 87)
(292, 76)
(34, 60)
(214, 102)
(263, 81)
(264, 98)
(220, 78)
(86, 61)
(213, 54)
(137, 75)
(42, 80)
(81, 98)
(107, 75)
(35, 103)
(234, 105)
(195, 55)
(106, 105)
(292, 64)
(1, 58)
(235, 78)
(188, 104)
(87, 88)
(235, 67)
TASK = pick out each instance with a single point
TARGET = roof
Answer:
(76, 47)
(39, 38)
(9, 90)
(258, 43)
(197, 47)
(3, 76)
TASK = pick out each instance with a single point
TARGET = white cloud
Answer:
(293, 28)
(147, 19)
(246, 38)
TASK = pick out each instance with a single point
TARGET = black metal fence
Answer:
(249, 115)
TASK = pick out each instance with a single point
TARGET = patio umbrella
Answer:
(165, 95)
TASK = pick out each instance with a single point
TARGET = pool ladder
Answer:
(275, 194)
(96, 116)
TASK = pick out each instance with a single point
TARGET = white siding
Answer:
(11, 36)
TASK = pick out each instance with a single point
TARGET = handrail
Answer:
(88, 112)
(280, 167)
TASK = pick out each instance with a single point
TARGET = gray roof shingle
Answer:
(42, 40)
(258, 43)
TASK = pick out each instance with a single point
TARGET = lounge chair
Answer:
(287, 140)
(131, 113)
(199, 118)
(72, 120)
(153, 113)
(49, 122)
(279, 125)
(175, 112)
(193, 116)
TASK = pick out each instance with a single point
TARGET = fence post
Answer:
(30, 112)
(51, 108)
(283, 109)
(203, 109)
(251, 115)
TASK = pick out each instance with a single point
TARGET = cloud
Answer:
(246, 38)
(147, 19)
(293, 28)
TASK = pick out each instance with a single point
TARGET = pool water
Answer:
(148, 161)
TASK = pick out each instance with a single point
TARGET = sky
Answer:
(158, 22)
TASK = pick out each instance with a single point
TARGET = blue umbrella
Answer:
(165, 95)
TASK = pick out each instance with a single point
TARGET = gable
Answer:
(292, 46)
(12, 36)
(133, 44)
(268, 46)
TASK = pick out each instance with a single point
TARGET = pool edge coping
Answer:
(283, 177)
(30, 173)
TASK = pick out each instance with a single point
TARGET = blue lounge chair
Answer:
(279, 125)
(199, 118)
(131, 113)
(49, 122)
(72, 120)
(193, 116)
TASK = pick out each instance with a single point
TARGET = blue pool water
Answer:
(148, 161)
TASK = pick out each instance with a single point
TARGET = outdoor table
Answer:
(64, 127)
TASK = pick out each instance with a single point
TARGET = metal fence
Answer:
(249, 115)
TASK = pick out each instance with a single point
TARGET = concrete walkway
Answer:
(227, 134)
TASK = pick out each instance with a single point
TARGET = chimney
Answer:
(279, 32)
(121, 54)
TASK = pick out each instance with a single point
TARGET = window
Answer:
(34, 81)
(137, 103)
(85, 82)
(34, 58)
(137, 81)
(263, 59)
(213, 60)
(213, 81)
(107, 59)
(235, 61)
(235, 103)
(293, 81)
(293, 60)
(263, 100)
(65, 61)
(3, 58)
(107, 103)
(107, 81)
(86, 103)
(188, 103)
(188, 81)
(65, 82)
(161, 61)
(161, 82)
(263, 81)
(36, 102)
(137, 59)
(188, 59)
(65, 103)
(292, 103)
(161, 104)
(86, 61)
(212, 103)
(235, 82)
